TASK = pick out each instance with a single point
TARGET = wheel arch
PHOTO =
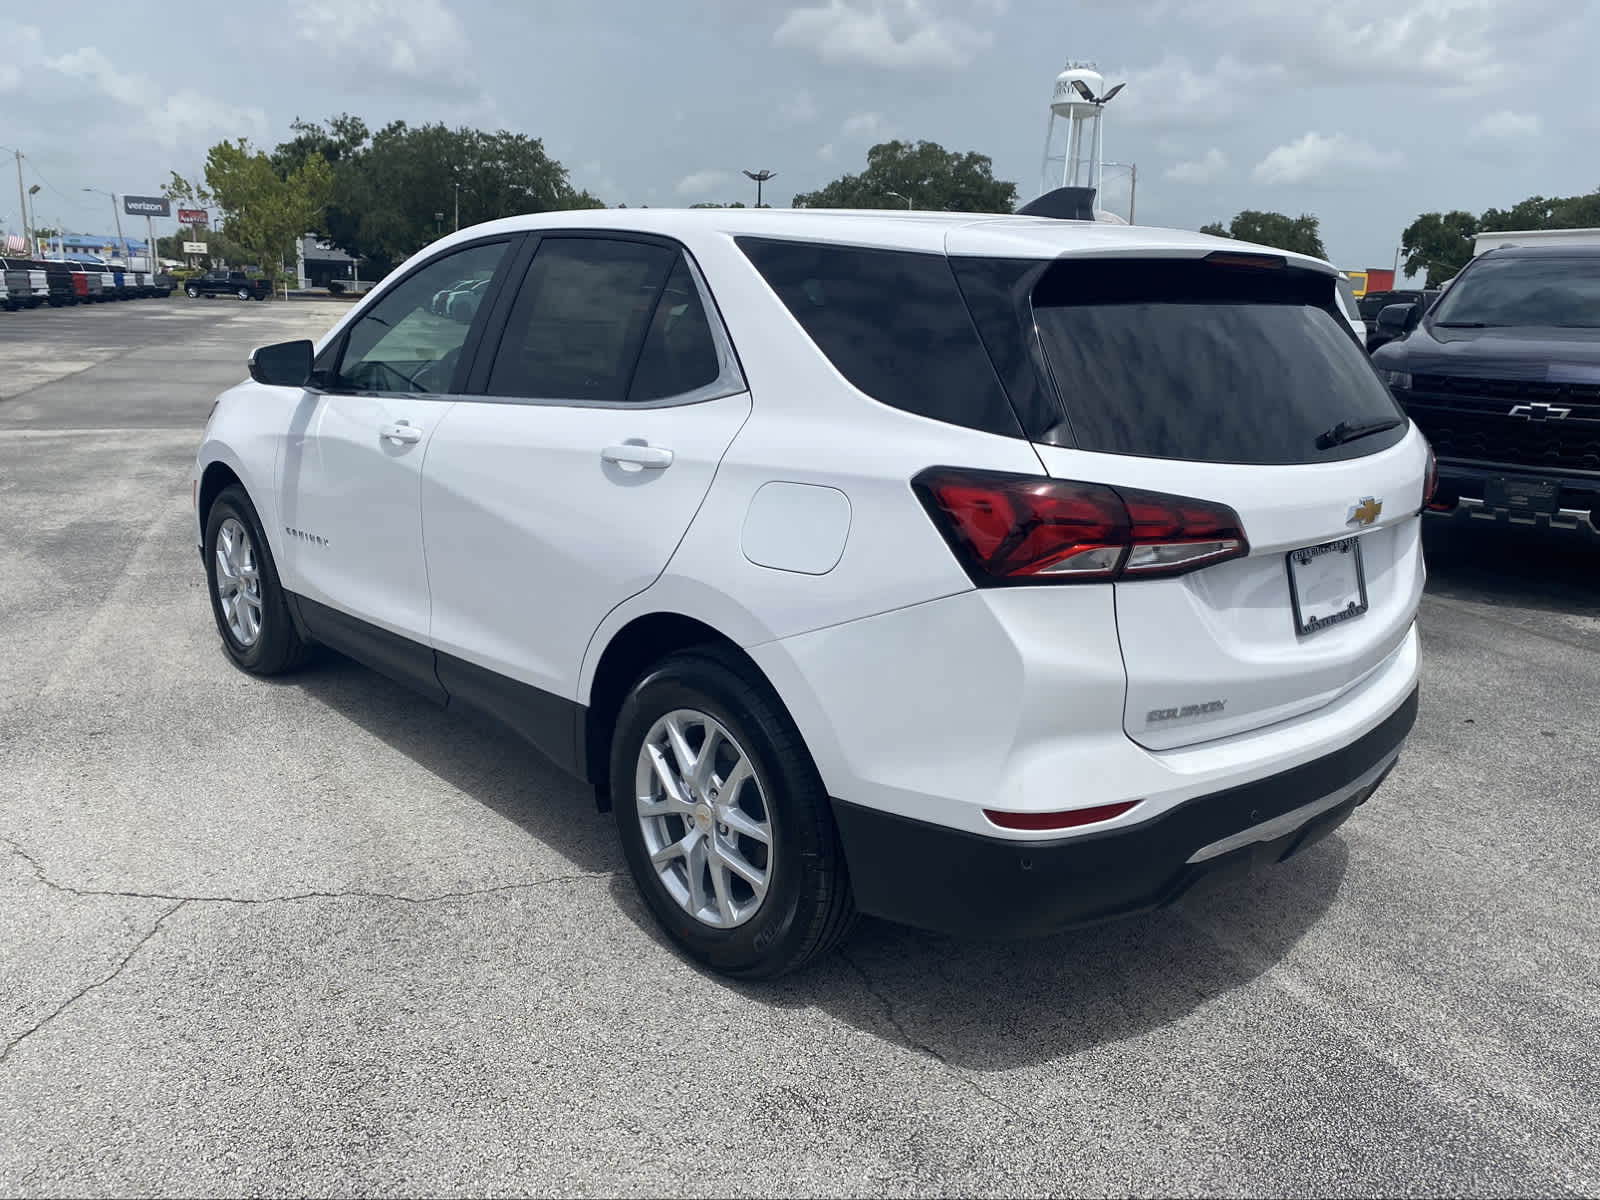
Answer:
(633, 649)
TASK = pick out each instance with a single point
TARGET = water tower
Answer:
(1074, 146)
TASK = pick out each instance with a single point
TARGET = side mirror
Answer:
(286, 364)
(1395, 320)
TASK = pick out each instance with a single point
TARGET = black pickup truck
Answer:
(228, 283)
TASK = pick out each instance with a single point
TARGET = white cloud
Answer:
(799, 109)
(172, 118)
(1315, 157)
(1172, 94)
(865, 127)
(412, 41)
(701, 182)
(938, 36)
(1205, 169)
(828, 154)
(1506, 126)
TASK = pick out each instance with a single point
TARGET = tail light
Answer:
(1023, 529)
(1430, 485)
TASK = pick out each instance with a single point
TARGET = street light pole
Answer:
(760, 177)
(458, 205)
(33, 219)
(900, 196)
(117, 216)
(23, 215)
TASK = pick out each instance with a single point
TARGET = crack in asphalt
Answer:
(893, 1017)
(122, 963)
(292, 897)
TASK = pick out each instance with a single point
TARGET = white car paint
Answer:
(505, 536)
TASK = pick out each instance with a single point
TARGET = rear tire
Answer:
(243, 293)
(247, 598)
(710, 826)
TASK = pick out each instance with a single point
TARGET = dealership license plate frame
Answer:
(1314, 564)
(1523, 495)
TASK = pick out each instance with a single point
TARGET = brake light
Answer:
(1072, 819)
(1022, 529)
(1430, 485)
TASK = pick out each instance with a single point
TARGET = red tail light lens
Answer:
(1430, 484)
(1022, 529)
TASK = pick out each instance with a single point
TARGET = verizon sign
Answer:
(193, 216)
(147, 206)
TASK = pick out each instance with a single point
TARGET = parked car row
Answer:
(30, 282)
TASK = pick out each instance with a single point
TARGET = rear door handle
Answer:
(401, 431)
(635, 454)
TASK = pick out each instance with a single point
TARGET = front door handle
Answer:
(637, 454)
(401, 431)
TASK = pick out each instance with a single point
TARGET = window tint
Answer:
(576, 328)
(1186, 361)
(893, 323)
(679, 353)
(1525, 291)
(411, 338)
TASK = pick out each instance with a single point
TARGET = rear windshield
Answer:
(1191, 361)
(1563, 292)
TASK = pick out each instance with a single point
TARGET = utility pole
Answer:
(1133, 189)
(760, 177)
(458, 204)
(22, 200)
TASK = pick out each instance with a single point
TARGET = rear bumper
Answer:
(957, 882)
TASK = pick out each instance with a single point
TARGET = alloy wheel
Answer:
(238, 582)
(705, 817)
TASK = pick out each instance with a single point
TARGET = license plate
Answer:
(1521, 495)
(1327, 585)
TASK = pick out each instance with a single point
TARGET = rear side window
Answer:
(891, 322)
(1196, 362)
(579, 321)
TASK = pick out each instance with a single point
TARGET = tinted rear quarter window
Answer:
(1201, 363)
(891, 322)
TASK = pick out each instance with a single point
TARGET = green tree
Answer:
(1438, 243)
(926, 174)
(1299, 235)
(735, 204)
(1441, 243)
(397, 189)
(264, 212)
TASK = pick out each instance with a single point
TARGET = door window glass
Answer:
(576, 329)
(411, 338)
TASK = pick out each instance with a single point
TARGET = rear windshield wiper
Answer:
(1345, 431)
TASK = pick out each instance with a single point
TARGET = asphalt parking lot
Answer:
(318, 937)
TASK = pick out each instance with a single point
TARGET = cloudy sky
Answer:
(1364, 112)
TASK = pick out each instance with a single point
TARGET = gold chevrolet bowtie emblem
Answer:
(1364, 513)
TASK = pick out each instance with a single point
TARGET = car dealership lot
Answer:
(317, 936)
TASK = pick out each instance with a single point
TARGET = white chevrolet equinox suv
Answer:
(991, 574)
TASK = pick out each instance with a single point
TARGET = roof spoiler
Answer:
(1063, 204)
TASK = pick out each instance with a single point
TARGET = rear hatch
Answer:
(1234, 383)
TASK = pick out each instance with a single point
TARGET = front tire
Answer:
(724, 820)
(247, 599)
(192, 292)
(243, 293)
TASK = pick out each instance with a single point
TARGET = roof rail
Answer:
(1063, 204)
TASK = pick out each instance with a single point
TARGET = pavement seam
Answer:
(4, 399)
(91, 987)
(892, 1016)
(294, 897)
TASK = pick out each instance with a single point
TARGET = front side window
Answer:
(410, 340)
(1560, 292)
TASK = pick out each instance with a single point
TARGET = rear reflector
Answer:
(1430, 486)
(1072, 819)
(1023, 529)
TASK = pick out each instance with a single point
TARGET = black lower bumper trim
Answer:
(951, 881)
